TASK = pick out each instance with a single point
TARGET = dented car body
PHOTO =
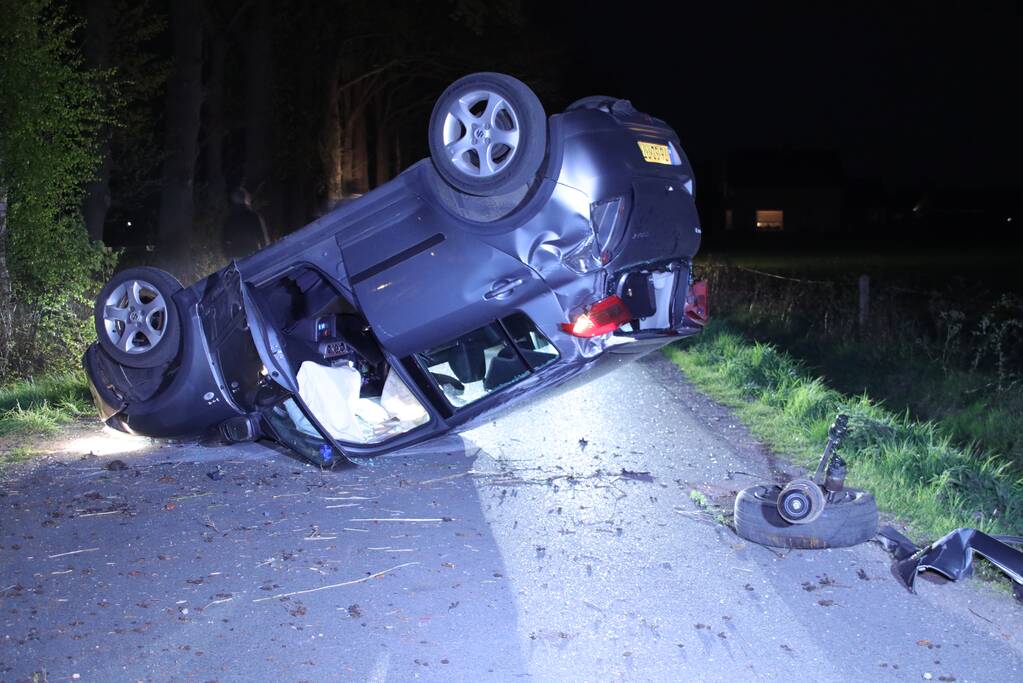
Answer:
(418, 309)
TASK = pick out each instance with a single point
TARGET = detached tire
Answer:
(849, 521)
(488, 134)
(137, 321)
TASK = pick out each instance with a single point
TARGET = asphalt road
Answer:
(534, 548)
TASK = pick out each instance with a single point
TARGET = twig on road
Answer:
(400, 519)
(980, 616)
(335, 585)
(72, 552)
(216, 602)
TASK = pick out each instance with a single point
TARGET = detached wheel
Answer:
(488, 134)
(137, 322)
(850, 520)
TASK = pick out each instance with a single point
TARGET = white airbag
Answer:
(397, 399)
(332, 395)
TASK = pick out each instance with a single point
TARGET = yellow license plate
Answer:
(655, 153)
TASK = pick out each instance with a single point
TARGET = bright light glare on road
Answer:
(107, 442)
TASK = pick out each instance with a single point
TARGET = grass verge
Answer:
(42, 406)
(916, 471)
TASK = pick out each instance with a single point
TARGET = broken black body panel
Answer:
(952, 556)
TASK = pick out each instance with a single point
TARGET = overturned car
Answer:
(527, 253)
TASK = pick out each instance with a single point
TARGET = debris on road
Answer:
(952, 555)
(809, 512)
(73, 552)
(336, 585)
(401, 519)
(636, 476)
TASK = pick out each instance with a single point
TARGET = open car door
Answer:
(317, 408)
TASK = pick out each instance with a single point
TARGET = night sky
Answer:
(912, 94)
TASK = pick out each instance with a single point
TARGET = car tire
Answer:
(488, 134)
(137, 320)
(848, 521)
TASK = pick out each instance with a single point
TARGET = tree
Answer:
(181, 132)
(119, 42)
(50, 114)
(98, 25)
(258, 97)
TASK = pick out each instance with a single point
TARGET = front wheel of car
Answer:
(488, 134)
(137, 321)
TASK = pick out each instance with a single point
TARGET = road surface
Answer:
(559, 543)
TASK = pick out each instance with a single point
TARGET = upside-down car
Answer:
(527, 253)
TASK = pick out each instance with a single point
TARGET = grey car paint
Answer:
(425, 264)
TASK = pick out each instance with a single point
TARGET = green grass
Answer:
(944, 345)
(964, 404)
(43, 406)
(917, 472)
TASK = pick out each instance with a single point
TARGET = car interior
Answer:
(487, 359)
(343, 377)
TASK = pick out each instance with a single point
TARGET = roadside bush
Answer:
(50, 112)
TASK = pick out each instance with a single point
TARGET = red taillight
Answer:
(696, 303)
(605, 316)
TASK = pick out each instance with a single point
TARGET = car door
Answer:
(422, 277)
(237, 329)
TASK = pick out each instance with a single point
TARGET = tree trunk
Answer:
(6, 296)
(397, 154)
(258, 94)
(347, 134)
(360, 152)
(330, 138)
(97, 54)
(216, 186)
(382, 140)
(181, 138)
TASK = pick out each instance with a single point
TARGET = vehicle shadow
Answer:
(217, 563)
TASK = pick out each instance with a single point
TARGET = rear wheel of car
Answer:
(849, 519)
(137, 321)
(488, 134)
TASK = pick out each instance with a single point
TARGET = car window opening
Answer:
(488, 359)
(343, 376)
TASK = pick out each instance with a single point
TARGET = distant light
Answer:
(1009, 219)
(129, 224)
